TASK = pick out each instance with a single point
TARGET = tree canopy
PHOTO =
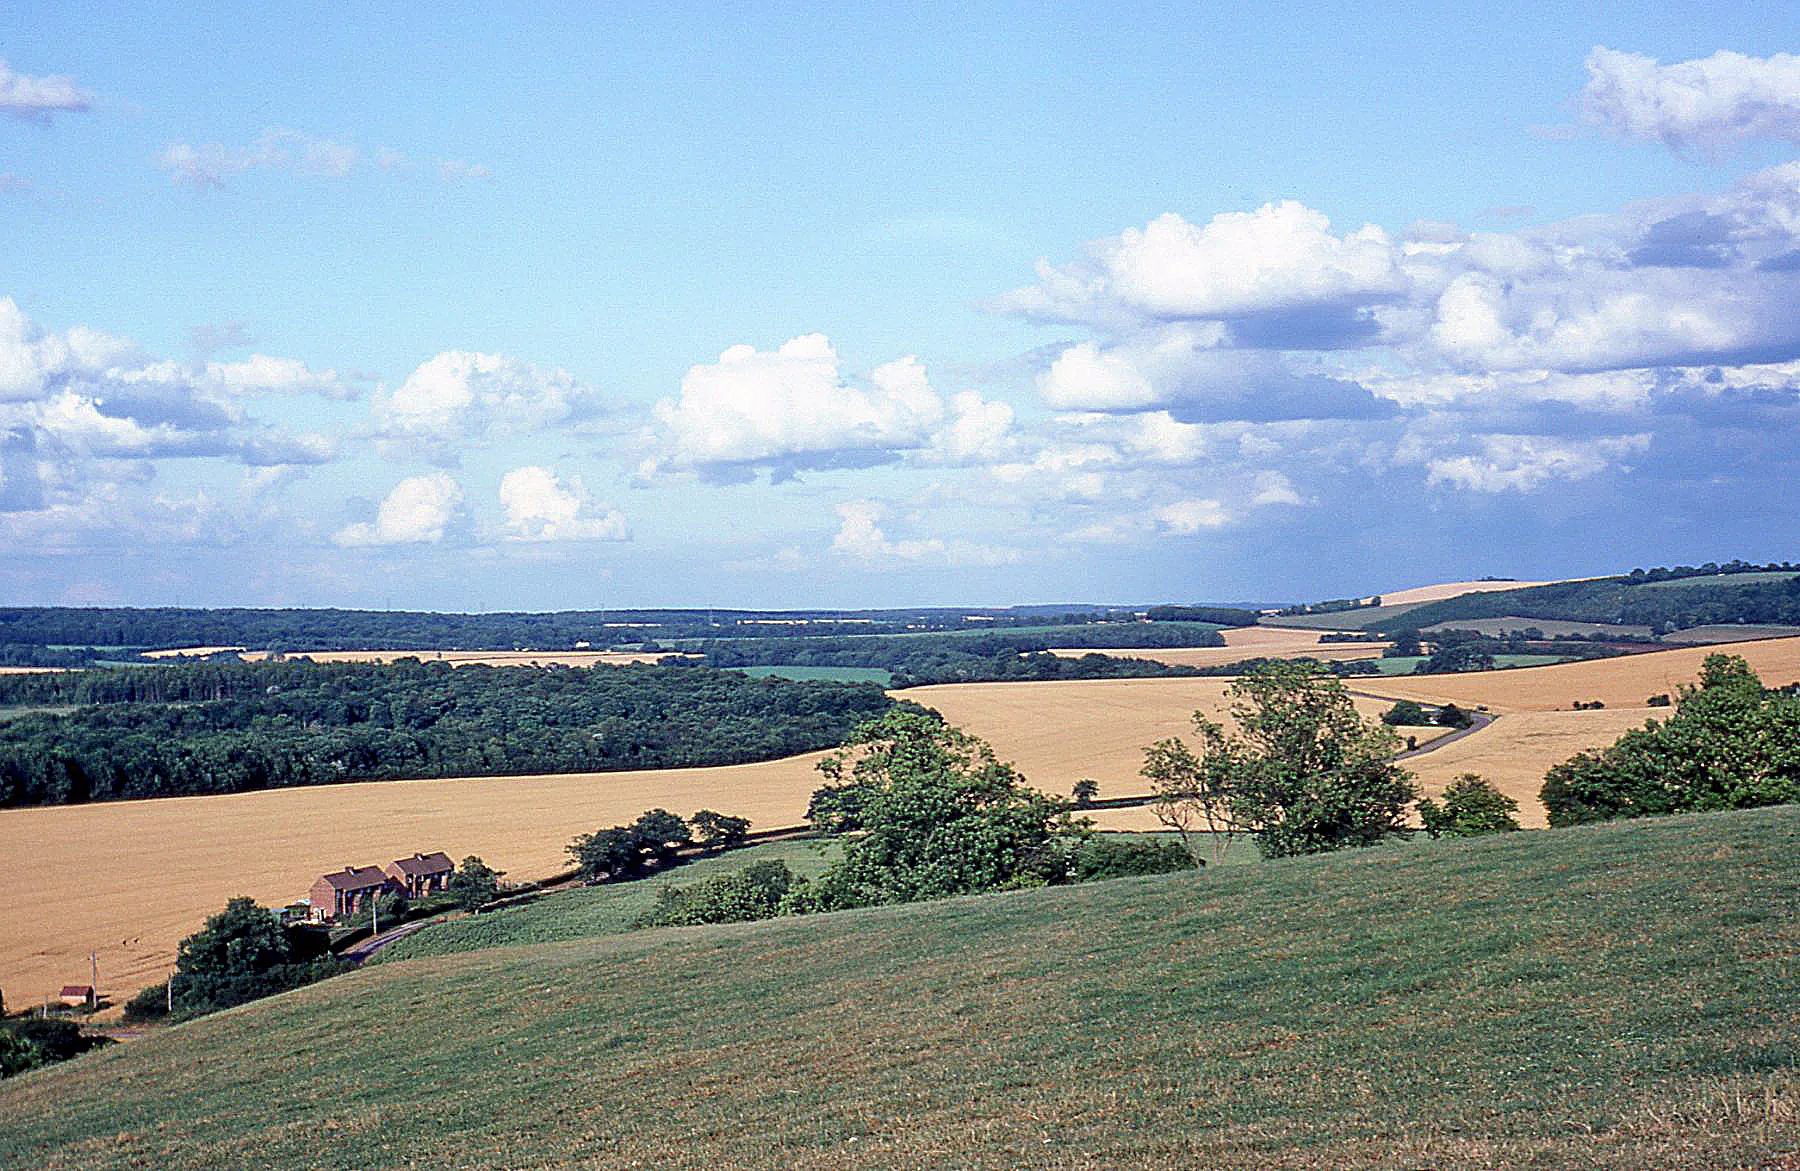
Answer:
(1303, 774)
(1730, 744)
(935, 814)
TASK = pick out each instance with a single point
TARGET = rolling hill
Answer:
(1618, 996)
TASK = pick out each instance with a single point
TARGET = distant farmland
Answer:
(1246, 642)
(80, 885)
(1619, 682)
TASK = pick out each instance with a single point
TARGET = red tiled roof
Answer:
(355, 878)
(77, 990)
(420, 865)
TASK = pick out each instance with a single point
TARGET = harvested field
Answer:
(1452, 589)
(33, 670)
(194, 652)
(130, 879)
(1515, 751)
(483, 658)
(1620, 682)
(1731, 632)
(1244, 642)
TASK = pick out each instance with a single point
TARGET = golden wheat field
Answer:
(1058, 733)
(31, 670)
(1620, 682)
(1515, 751)
(130, 879)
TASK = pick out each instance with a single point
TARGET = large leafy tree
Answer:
(475, 884)
(241, 954)
(1730, 744)
(935, 814)
(1304, 773)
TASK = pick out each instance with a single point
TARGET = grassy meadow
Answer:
(1619, 996)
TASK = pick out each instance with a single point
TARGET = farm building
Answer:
(349, 889)
(80, 996)
(421, 874)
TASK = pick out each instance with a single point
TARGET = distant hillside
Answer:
(1659, 603)
(1611, 997)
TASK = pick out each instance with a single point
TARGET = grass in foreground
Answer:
(1620, 996)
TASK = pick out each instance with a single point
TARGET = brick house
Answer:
(350, 889)
(421, 874)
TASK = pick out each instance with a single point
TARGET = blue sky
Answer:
(538, 307)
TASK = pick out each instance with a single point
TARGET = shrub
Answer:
(1111, 856)
(57, 1040)
(939, 815)
(1729, 745)
(1406, 714)
(18, 1055)
(1451, 716)
(240, 955)
(149, 1004)
(1471, 807)
(1084, 792)
(719, 831)
(475, 883)
(755, 892)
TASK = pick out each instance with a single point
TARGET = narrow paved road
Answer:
(357, 953)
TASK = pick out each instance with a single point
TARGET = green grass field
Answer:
(1361, 618)
(1404, 664)
(1620, 996)
(879, 675)
(591, 912)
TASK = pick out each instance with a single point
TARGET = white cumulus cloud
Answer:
(1705, 103)
(36, 98)
(1189, 517)
(541, 506)
(860, 536)
(460, 396)
(1524, 463)
(1280, 257)
(418, 511)
(795, 407)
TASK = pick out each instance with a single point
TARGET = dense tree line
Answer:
(1222, 615)
(1637, 599)
(126, 627)
(1000, 655)
(233, 727)
(1730, 744)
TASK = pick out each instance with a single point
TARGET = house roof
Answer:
(355, 878)
(77, 990)
(420, 865)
